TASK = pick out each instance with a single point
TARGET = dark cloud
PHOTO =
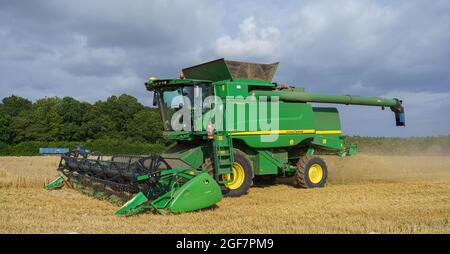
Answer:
(94, 49)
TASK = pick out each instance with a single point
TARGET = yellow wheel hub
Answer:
(315, 173)
(238, 177)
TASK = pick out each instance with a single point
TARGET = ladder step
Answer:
(223, 146)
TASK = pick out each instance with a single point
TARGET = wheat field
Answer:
(365, 194)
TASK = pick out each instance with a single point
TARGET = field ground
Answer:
(365, 194)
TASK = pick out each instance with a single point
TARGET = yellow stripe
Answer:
(273, 132)
(283, 132)
(329, 132)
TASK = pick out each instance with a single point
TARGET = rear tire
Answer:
(311, 172)
(243, 165)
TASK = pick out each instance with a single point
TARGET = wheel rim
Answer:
(315, 173)
(238, 177)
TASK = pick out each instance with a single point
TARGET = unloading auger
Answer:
(148, 181)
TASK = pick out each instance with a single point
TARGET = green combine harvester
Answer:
(231, 127)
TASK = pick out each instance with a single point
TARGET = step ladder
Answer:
(223, 156)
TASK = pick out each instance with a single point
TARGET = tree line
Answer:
(122, 125)
(66, 119)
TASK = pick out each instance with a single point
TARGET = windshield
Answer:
(173, 99)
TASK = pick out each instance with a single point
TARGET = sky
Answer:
(94, 49)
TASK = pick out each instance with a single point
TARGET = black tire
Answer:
(244, 161)
(304, 165)
(264, 180)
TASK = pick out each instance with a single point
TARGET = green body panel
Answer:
(215, 71)
(282, 140)
(200, 192)
(293, 116)
(178, 135)
(332, 142)
(132, 206)
(194, 157)
(58, 183)
(190, 191)
(268, 162)
(143, 178)
(185, 155)
(326, 119)
(310, 151)
(352, 149)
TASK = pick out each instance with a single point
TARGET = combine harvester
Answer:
(208, 161)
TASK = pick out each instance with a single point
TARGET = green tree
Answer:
(120, 110)
(97, 124)
(73, 114)
(145, 126)
(54, 119)
(72, 110)
(41, 123)
(14, 105)
(5, 127)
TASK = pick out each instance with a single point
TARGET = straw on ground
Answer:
(365, 194)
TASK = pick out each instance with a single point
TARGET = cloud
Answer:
(81, 60)
(93, 49)
(253, 41)
(378, 45)
(85, 49)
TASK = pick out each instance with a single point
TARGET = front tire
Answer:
(311, 172)
(242, 176)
